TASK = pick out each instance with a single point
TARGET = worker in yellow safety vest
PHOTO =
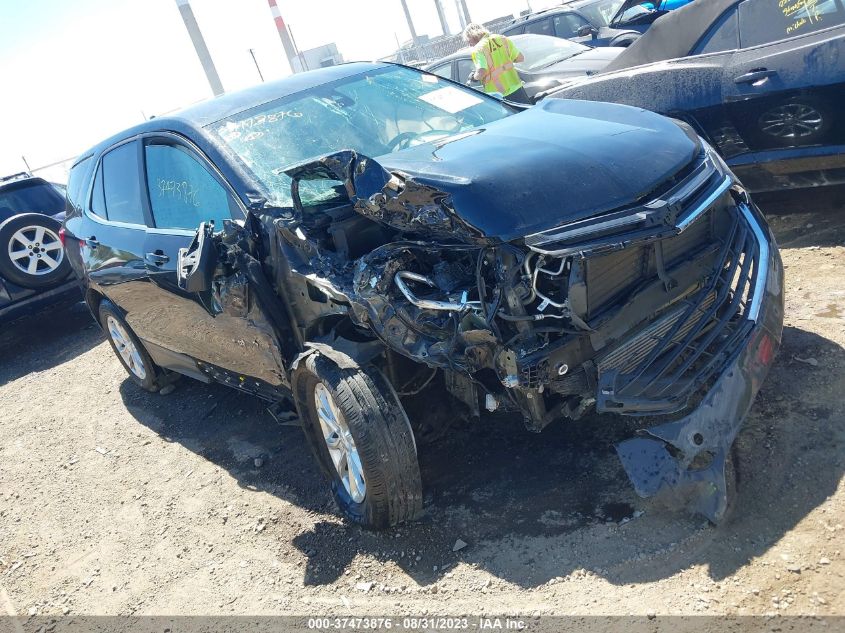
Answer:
(494, 57)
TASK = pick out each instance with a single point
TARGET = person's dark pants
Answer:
(519, 96)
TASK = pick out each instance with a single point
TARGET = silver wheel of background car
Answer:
(792, 120)
(340, 443)
(126, 348)
(36, 250)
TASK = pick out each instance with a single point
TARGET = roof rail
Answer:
(21, 175)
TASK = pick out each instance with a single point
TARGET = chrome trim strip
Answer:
(763, 260)
(694, 215)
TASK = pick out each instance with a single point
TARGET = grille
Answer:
(609, 277)
(659, 370)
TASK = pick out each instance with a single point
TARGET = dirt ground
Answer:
(116, 501)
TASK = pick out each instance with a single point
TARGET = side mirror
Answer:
(588, 31)
(196, 264)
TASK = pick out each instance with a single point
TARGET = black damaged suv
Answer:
(346, 235)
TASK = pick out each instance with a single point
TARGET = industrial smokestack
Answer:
(290, 50)
(200, 47)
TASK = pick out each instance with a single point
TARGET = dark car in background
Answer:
(34, 272)
(764, 83)
(589, 22)
(350, 236)
(549, 61)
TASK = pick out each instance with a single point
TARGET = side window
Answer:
(76, 181)
(98, 202)
(443, 70)
(540, 27)
(722, 36)
(117, 192)
(567, 25)
(765, 21)
(465, 67)
(183, 192)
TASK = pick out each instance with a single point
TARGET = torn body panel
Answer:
(654, 309)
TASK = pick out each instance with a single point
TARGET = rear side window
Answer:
(723, 35)
(183, 192)
(465, 69)
(540, 27)
(443, 70)
(30, 196)
(567, 25)
(76, 181)
(765, 21)
(117, 191)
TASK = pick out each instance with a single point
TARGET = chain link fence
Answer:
(431, 49)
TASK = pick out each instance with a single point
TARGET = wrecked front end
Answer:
(670, 309)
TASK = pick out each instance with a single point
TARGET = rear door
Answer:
(183, 189)
(784, 87)
(112, 233)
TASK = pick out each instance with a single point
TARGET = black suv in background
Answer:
(34, 272)
(350, 236)
(589, 22)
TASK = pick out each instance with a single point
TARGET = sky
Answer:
(77, 71)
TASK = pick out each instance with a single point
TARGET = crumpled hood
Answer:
(554, 163)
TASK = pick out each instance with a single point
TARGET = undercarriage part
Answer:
(404, 276)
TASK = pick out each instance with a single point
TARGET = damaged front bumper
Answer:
(664, 459)
(668, 307)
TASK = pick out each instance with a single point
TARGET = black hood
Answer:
(551, 164)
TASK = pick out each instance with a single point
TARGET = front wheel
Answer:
(361, 437)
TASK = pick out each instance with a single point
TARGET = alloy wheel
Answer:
(36, 250)
(340, 443)
(126, 348)
(791, 121)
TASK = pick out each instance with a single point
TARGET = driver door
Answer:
(183, 189)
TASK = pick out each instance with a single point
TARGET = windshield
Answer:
(373, 113)
(601, 13)
(541, 50)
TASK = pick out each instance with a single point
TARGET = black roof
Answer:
(567, 5)
(672, 35)
(197, 116)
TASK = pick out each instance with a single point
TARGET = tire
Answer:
(803, 120)
(31, 254)
(129, 349)
(373, 426)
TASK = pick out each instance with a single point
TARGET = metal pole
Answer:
(255, 61)
(200, 47)
(303, 65)
(410, 22)
(290, 50)
(440, 14)
(23, 158)
(463, 8)
(399, 49)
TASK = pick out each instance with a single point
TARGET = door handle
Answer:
(91, 242)
(754, 76)
(158, 258)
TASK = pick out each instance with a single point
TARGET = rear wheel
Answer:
(801, 121)
(129, 349)
(31, 253)
(361, 437)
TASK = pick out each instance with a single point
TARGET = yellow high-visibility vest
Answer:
(494, 55)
